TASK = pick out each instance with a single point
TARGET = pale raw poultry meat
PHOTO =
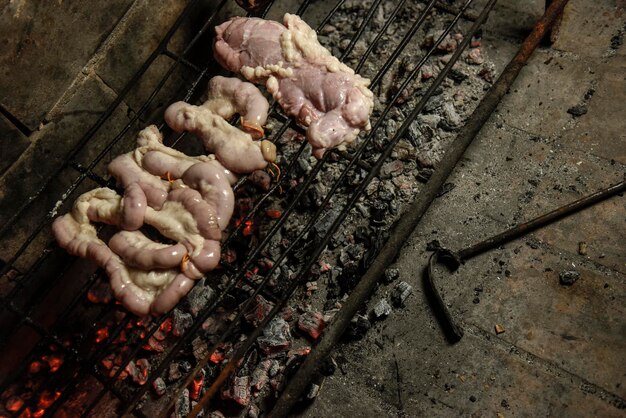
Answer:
(309, 83)
(228, 96)
(191, 207)
(235, 149)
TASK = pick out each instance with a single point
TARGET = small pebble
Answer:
(473, 398)
(569, 277)
(577, 111)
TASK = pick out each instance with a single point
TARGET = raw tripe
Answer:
(323, 94)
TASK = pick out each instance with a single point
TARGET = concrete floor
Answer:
(563, 349)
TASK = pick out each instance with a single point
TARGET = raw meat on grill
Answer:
(187, 199)
(229, 96)
(309, 83)
(235, 149)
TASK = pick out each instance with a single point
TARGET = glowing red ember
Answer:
(102, 334)
(274, 214)
(54, 362)
(216, 357)
(14, 404)
(196, 386)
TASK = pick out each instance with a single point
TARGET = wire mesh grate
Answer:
(80, 360)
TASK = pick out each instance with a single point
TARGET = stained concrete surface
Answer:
(562, 349)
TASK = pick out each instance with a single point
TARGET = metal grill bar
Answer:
(238, 273)
(239, 354)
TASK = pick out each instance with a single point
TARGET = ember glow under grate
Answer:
(89, 357)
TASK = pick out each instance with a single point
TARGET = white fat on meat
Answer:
(310, 84)
(235, 149)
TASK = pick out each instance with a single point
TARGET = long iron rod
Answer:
(412, 216)
(454, 259)
(538, 222)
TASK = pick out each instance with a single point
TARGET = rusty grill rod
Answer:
(412, 216)
(454, 259)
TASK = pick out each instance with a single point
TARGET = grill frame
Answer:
(85, 365)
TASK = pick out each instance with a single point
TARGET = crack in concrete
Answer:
(547, 366)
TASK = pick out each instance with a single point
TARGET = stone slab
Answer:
(602, 227)
(602, 130)
(38, 38)
(547, 87)
(145, 27)
(50, 146)
(579, 328)
(408, 369)
(584, 34)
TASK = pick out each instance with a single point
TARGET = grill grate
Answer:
(80, 361)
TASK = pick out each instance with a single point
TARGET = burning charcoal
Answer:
(457, 76)
(199, 297)
(261, 179)
(569, 277)
(382, 309)
(174, 372)
(181, 321)
(311, 323)
(474, 57)
(277, 382)
(138, 371)
(253, 411)
(100, 292)
(450, 115)
(391, 274)
(379, 212)
(260, 375)
(183, 406)
(400, 292)
(258, 311)
(274, 368)
(159, 386)
(276, 336)
(238, 390)
(428, 72)
(392, 168)
(153, 344)
(196, 386)
(486, 74)
(313, 391)
(14, 404)
(200, 349)
(359, 325)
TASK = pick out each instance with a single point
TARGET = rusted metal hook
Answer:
(453, 260)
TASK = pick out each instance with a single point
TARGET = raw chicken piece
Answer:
(232, 147)
(228, 96)
(308, 82)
